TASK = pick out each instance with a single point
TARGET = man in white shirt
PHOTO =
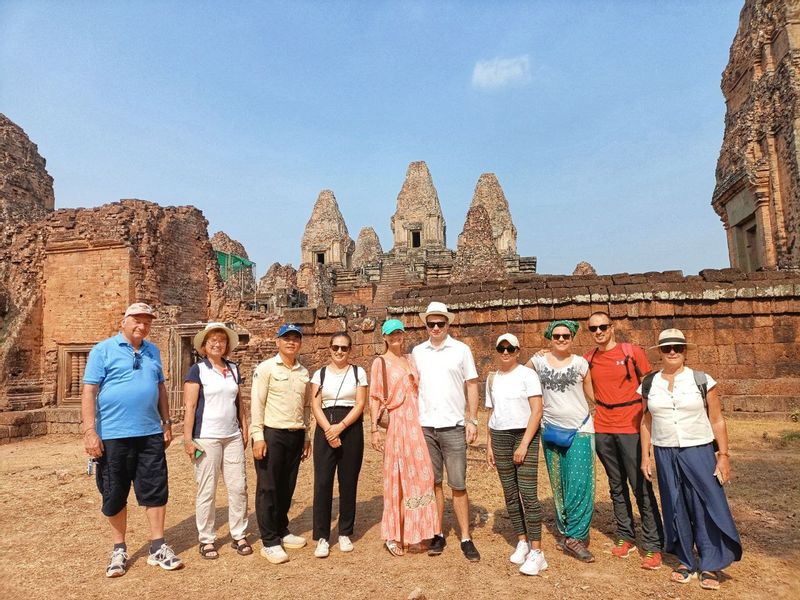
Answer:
(446, 367)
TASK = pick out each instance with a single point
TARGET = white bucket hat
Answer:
(437, 308)
(233, 337)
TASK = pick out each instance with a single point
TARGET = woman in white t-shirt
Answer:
(514, 395)
(215, 436)
(566, 385)
(338, 397)
(682, 427)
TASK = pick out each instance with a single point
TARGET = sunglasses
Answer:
(562, 336)
(676, 348)
(436, 324)
(603, 327)
(338, 348)
(137, 361)
(506, 349)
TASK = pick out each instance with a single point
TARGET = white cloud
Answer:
(501, 72)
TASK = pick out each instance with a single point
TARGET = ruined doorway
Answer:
(416, 239)
(320, 258)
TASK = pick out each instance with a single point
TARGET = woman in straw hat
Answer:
(409, 504)
(214, 435)
(566, 386)
(682, 419)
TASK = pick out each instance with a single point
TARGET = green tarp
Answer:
(230, 264)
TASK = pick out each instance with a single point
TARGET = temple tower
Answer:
(757, 195)
(326, 240)
(477, 258)
(489, 194)
(368, 248)
(418, 223)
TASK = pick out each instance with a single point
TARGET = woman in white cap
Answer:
(683, 421)
(338, 397)
(514, 396)
(409, 504)
(214, 435)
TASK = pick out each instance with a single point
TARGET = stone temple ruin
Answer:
(67, 275)
(758, 173)
(363, 273)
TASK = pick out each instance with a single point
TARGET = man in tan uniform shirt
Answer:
(279, 417)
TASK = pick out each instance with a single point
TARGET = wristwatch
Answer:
(167, 422)
(473, 421)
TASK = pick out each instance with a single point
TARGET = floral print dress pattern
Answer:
(407, 470)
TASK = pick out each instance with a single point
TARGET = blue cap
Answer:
(288, 328)
(391, 326)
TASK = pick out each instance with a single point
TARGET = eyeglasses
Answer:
(137, 361)
(602, 327)
(562, 336)
(338, 348)
(436, 324)
(506, 349)
(676, 348)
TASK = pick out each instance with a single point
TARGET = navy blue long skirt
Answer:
(695, 509)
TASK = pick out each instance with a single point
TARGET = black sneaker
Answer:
(470, 551)
(437, 545)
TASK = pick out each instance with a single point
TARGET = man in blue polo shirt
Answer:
(126, 428)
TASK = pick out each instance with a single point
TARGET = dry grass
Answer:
(55, 543)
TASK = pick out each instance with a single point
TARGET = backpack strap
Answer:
(627, 350)
(701, 381)
(591, 356)
(321, 380)
(647, 383)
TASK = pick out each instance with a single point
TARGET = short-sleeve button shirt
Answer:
(679, 416)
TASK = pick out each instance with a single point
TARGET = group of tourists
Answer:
(422, 416)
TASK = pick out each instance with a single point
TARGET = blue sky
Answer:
(602, 120)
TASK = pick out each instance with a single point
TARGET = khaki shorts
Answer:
(448, 448)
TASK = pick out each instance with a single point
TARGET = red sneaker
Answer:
(652, 560)
(623, 548)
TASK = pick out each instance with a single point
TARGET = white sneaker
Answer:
(521, 553)
(534, 564)
(293, 541)
(345, 545)
(165, 558)
(321, 550)
(274, 554)
(118, 564)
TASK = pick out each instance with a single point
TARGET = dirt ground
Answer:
(55, 544)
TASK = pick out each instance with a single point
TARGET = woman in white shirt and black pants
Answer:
(682, 427)
(338, 397)
(514, 395)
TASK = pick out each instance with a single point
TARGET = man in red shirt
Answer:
(616, 369)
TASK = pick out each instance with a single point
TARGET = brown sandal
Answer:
(242, 547)
(209, 553)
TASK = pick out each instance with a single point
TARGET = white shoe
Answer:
(293, 541)
(521, 553)
(321, 551)
(274, 554)
(118, 564)
(345, 545)
(534, 564)
(165, 558)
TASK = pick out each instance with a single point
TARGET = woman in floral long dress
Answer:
(409, 507)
